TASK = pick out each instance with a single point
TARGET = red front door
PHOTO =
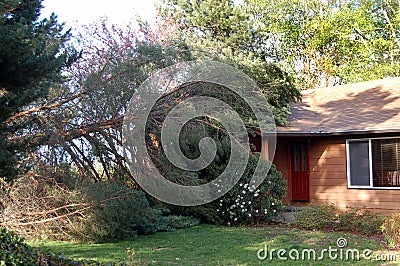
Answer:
(300, 171)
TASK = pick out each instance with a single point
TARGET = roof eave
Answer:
(332, 133)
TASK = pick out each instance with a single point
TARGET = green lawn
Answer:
(213, 245)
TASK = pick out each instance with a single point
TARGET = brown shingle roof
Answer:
(366, 106)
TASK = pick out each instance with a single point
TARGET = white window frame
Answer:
(371, 173)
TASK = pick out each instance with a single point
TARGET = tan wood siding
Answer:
(328, 177)
(281, 162)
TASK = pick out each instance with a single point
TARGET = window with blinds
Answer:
(386, 162)
(373, 163)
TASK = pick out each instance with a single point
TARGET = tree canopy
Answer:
(325, 43)
(227, 32)
(320, 43)
(33, 54)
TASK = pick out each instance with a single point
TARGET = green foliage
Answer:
(357, 220)
(228, 32)
(179, 221)
(277, 86)
(242, 204)
(330, 42)
(32, 55)
(217, 21)
(120, 212)
(321, 43)
(317, 217)
(14, 251)
(361, 221)
(391, 230)
(246, 205)
(206, 213)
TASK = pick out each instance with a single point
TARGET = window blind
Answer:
(386, 162)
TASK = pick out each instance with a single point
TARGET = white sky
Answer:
(78, 12)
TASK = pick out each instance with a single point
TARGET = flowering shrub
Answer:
(244, 204)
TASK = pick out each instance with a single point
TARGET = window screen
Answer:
(359, 163)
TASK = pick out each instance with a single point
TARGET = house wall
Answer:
(328, 177)
(282, 163)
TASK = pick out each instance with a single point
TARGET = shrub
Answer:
(14, 251)
(317, 217)
(241, 205)
(206, 213)
(357, 220)
(391, 230)
(361, 221)
(120, 212)
(179, 221)
(244, 204)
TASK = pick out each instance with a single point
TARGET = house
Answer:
(342, 146)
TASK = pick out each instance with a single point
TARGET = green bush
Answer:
(206, 213)
(357, 220)
(245, 205)
(14, 251)
(120, 212)
(179, 221)
(391, 230)
(317, 217)
(361, 221)
(242, 205)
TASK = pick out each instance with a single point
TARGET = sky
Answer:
(80, 12)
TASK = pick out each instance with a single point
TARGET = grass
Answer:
(216, 245)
